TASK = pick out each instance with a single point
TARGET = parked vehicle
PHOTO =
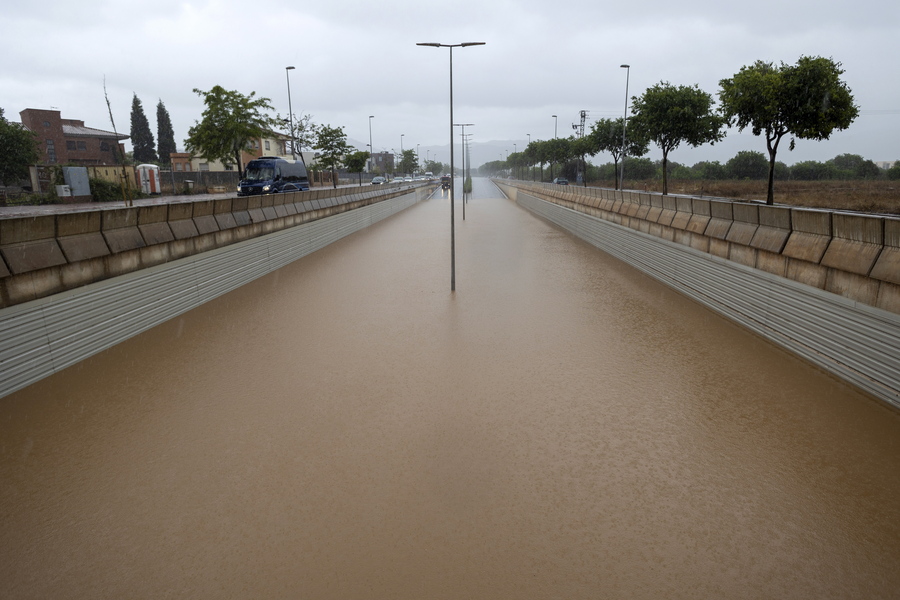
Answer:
(379, 180)
(561, 181)
(270, 175)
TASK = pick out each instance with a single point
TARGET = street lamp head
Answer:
(554, 116)
(371, 116)
(289, 68)
(625, 66)
(437, 45)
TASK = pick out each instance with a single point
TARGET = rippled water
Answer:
(560, 427)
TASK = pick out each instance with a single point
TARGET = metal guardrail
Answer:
(856, 342)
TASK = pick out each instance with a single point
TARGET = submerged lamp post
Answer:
(452, 174)
(624, 121)
(287, 72)
(463, 136)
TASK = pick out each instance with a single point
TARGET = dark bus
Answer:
(270, 175)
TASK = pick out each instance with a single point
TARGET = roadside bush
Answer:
(105, 191)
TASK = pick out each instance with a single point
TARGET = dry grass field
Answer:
(863, 196)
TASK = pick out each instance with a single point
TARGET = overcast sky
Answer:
(354, 59)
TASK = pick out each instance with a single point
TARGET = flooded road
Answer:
(560, 427)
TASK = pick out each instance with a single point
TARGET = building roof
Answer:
(80, 131)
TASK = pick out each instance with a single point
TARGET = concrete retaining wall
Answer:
(47, 254)
(818, 283)
(43, 336)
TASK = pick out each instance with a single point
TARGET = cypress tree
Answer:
(165, 134)
(141, 137)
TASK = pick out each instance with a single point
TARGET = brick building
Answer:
(70, 142)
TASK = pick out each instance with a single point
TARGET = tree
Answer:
(331, 142)
(408, 162)
(304, 134)
(709, 170)
(230, 122)
(747, 164)
(893, 173)
(854, 166)
(558, 150)
(165, 135)
(807, 100)
(356, 163)
(18, 151)
(434, 167)
(141, 138)
(668, 115)
(606, 136)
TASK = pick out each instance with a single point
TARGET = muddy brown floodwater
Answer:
(346, 428)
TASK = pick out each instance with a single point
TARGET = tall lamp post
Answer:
(555, 124)
(371, 147)
(624, 122)
(287, 73)
(463, 136)
(532, 166)
(452, 185)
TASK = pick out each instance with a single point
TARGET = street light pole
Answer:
(452, 183)
(371, 147)
(532, 166)
(624, 123)
(287, 72)
(555, 123)
(463, 136)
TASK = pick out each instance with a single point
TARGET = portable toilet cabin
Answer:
(148, 175)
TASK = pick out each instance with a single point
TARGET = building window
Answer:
(70, 145)
(179, 167)
(51, 152)
(267, 145)
(46, 123)
(82, 145)
(104, 147)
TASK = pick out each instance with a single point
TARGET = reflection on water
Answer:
(561, 427)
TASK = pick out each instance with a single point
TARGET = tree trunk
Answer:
(772, 146)
(333, 178)
(665, 168)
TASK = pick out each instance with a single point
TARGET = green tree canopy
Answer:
(807, 100)
(671, 115)
(356, 162)
(710, 170)
(230, 122)
(893, 172)
(165, 135)
(747, 164)
(606, 136)
(18, 151)
(408, 162)
(434, 166)
(331, 142)
(854, 166)
(141, 137)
